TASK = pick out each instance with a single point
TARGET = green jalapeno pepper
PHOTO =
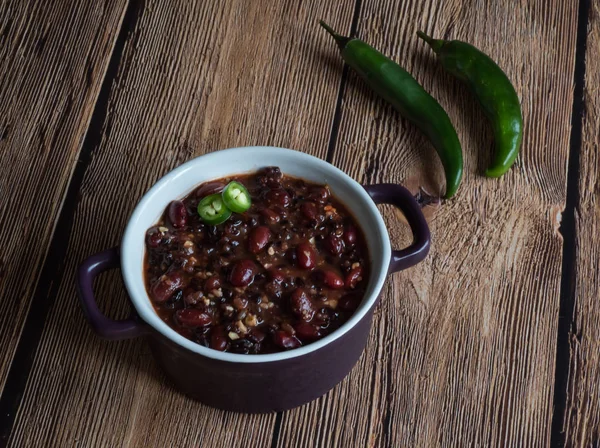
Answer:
(236, 197)
(494, 91)
(213, 210)
(402, 91)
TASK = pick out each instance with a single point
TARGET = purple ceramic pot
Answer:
(254, 383)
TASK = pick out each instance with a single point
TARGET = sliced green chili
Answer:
(494, 91)
(236, 197)
(213, 210)
(401, 90)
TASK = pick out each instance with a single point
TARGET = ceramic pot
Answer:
(254, 383)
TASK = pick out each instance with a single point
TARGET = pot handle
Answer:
(399, 196)
(102, 325)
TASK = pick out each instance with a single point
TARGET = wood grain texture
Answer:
(582, 417)
(193, 78)
(463, 347)
(50, 76)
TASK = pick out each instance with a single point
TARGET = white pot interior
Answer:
(185, 178)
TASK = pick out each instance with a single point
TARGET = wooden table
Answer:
(493, 341)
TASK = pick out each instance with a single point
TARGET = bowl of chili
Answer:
(265, 382)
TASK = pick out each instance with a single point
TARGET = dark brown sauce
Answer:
(285, 273)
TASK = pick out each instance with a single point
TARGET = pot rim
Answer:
(136, 228)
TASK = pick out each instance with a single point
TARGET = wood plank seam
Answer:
(512, 389)
(179, 97)
(337, 116)
(53, 265)
(276, 429)
(335, 124)
(567, 230)
(581, 421)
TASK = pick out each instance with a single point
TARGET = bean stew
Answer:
(289, 270)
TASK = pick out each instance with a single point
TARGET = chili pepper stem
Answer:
(435, 44)
(340, 40)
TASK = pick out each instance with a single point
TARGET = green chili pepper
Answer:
(494, 91)
(407, 96)
(212, 210)
(236, 197)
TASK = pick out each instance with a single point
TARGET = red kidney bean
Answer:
(212, 283)
(192, 317)
(305, 255)
(240, 303)
(288, 328)
(309, 210)
(243, 273)
(278, 197)
(178, 214)
(353, 277)
(334, 244)
(282, 339)
(332, 280)
(319, 194)
(307, 332)
(256, 335)
(154, 237)
(210, 188)
(301, 304)
(350, 235)
(276, 275)
(259, 237)
(349, 302)
(271, 216)
(218, 340)
(192, 297)
(166, 285)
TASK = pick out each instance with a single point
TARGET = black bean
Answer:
(227, 293)
(241, 346)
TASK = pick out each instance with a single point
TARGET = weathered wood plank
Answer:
(194, 78)
(582, 416)
(50, 76)
(463, 347)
